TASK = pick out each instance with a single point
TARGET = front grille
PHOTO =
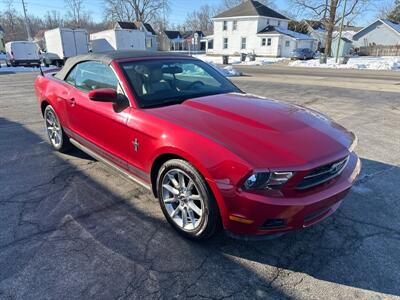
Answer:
(273, 224)
(323, 174)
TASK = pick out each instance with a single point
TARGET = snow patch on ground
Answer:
(390, 63)
(227, 71)
(230, 71)
(235, 60)
(5, 69)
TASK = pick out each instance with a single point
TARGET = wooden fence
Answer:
(380, 50)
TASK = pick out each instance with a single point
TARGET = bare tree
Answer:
(135, 10)
(53, 19)
(76, 15)
(329, 12)
(393, 14)
(298, 26)
(201, 19)
(12, 23)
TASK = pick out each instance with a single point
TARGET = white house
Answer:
(317, 30)
(381, 32)
(252, 27)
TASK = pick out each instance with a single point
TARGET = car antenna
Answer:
(41, 71)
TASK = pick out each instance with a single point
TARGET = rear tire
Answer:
(56, 135)
(186, 200)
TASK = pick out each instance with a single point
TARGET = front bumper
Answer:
(255, 214)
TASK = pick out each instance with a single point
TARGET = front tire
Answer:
(57, 137)
(186, 200)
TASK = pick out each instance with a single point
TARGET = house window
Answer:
(279, 23)
(234, 26)
(149, 42)
(269, 42)
(225, 43)
(225, 25)
(243, 46)
(267, 21)
(287, 44)
(263, 41)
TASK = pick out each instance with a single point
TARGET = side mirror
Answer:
(103, 95)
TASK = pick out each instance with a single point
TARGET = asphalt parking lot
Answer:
(72, 228)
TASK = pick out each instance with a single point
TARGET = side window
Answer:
(71, 76)
(93, 75)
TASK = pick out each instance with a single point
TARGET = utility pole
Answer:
(341, 30)
(28, 30)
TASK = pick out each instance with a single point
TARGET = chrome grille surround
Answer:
(323, 174)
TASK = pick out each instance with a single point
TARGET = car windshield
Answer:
(171, 81)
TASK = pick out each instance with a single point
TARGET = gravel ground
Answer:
(71, 228)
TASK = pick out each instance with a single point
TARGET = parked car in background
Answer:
(63, 43)
(302, 54)
(22, 53)
(213, 155)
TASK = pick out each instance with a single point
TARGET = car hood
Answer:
(265, 133)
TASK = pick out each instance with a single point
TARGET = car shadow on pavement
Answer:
(72, 228)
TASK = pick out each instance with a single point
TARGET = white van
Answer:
(22, 53)
(63, 43)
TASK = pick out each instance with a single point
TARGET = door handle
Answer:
(71, 101)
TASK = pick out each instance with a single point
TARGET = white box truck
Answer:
(63, 43)
(22, 53)
(118, 39)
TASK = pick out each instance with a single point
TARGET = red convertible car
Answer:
(214, 156)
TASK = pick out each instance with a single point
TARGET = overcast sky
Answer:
(179, 8)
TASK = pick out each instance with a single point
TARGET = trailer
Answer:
(63, 43)
(118, 39)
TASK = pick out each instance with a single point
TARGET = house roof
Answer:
(348, 28)
(278, 30)
(191, 33)
(394, 26)
(127, 25)
(149, 28)
(251, 8)
(172, 34)
(316, 25)
(319, 26)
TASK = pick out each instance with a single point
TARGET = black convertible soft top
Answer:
(108, 57)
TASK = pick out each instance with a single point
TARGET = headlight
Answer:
(266, 180)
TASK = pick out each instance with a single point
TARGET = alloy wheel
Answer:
(53, 127)
(182, 199)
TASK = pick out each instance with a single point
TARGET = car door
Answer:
(100, 126)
